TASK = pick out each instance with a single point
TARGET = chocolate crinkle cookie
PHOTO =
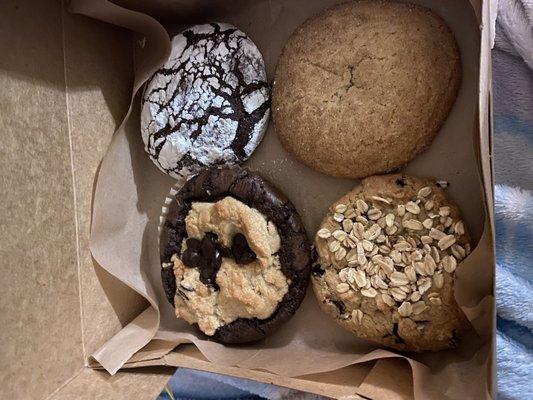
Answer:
(387, 255)
(209, 104)
(235, 256)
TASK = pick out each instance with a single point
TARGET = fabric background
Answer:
(512, 63)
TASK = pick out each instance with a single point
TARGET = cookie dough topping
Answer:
(396, 254)
(228, 267)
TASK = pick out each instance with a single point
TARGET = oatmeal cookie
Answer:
(387, 253)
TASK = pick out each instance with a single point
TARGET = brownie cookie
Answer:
(364, 87)
(387, 252)
(209, 104)
(235, 256)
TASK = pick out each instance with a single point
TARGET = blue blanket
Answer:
(513, 164)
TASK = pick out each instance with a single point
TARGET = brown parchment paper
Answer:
(130, 191)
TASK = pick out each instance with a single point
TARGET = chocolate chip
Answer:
(317, 270)
(314, 255)
(400, 182)
(397, 337)
(340, 306)
(191, 258)
(455, 338)
(242, 253)
(206, 255)
(209, 248)
(224, 251)
(169, 282)
(194, 244)
(211, 260)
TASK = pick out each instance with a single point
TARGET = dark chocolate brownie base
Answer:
(214, 184)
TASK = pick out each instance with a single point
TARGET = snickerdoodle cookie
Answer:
(363, 87)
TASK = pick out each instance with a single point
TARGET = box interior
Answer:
(66, 88)
(62, 98)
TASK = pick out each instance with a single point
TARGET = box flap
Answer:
(141, 384)
(40, 308)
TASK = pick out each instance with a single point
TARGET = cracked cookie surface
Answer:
(234, 254)
(209, 104)
(363, 87)
(387, 254)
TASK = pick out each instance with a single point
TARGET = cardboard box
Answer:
(66, 84)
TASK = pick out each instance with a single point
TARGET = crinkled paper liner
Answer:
(127, 214)
(166, 203)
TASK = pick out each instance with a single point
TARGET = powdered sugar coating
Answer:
(209, 104)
